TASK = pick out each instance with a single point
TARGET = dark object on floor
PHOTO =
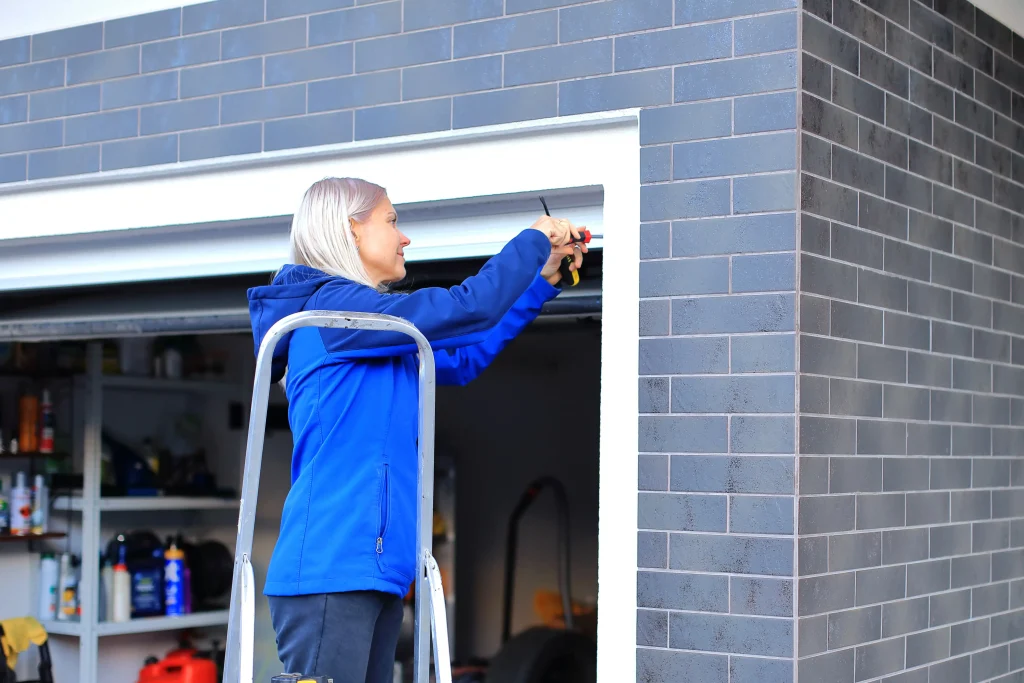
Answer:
(545, 655)
(541, 654)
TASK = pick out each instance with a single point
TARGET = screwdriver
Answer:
(570, 275)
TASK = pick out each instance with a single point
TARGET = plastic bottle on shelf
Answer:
(122, 602)
(47, 424)
(28, 423)
(40, 506)
(174, 577)
(68, 607)
(106, 589)
(49, 572)
(21, 507)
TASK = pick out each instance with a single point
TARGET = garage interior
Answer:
(534, 413)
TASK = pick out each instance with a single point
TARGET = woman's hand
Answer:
(560, 231)
(551, 271)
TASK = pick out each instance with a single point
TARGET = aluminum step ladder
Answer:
(430, 606)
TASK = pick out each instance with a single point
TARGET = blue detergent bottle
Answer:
(174, 581)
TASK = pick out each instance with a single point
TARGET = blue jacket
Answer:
(349, 520)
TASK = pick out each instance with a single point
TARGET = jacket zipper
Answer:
(384, 511)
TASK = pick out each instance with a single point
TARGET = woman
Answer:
(346, 552)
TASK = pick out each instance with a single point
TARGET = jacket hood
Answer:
(288, 293)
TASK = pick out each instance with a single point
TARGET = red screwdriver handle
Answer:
(585, 236)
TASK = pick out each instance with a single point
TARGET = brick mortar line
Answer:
(711, 100)
(701, 62)
(728, 575)
(714, 335)
(710, 219)
(672, 610)
(730, 494)
(673, 259)
(725, 374)
(722, 414)
(717, 653)
(777, 132)
(720, 295)
(723, 455)
(732, 176)
(726, 534)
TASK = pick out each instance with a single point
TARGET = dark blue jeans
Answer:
(350, 637)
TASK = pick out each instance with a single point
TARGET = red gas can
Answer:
(180, 666)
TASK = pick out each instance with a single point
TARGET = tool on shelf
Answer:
(430, 620)
(569, 274)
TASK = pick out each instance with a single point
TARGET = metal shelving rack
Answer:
(90, 504)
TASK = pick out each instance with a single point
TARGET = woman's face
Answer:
(381, 244)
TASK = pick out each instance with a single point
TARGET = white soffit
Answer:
(1009, 12)
(30, 17)
(460, 195)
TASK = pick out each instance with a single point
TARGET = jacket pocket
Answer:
(383, 510)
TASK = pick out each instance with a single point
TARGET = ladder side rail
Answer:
(239, 644)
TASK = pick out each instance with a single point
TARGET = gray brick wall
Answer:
(718, 84)
(911, 345)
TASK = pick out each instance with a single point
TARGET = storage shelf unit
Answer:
(90, 391)
(62, 628)
(142, 625)
(154, 624)
(160, 384)
(12, 538)
(33, 455)
(147, 503)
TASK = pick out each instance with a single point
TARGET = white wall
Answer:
(28, 17)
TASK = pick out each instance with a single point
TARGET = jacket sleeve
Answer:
(448, 318)
(460, 366)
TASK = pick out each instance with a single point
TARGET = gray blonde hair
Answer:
(321, 235)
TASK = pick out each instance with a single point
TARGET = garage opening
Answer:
(164, 252)
(150, 385)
